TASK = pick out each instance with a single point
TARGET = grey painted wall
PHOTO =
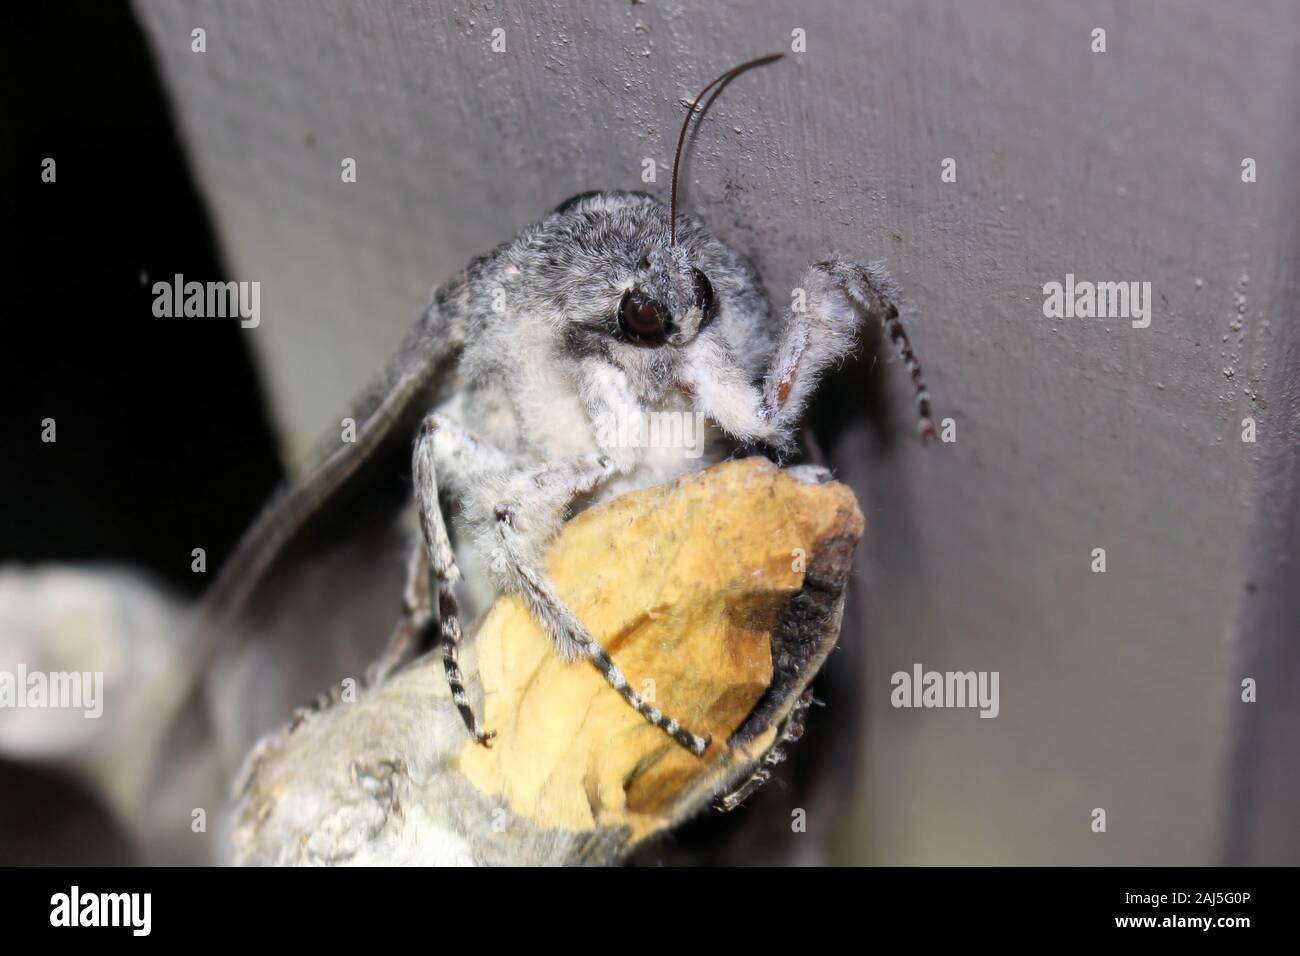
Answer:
(1118, 690)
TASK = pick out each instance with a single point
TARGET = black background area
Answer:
(163, 443)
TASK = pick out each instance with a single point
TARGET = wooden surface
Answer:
(1119, 689)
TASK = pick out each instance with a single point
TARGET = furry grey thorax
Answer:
(572, 341)
(554, 299)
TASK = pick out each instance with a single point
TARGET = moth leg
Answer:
(791, 731)
(517, 512)
(443, 571)
(414, 626)
(528, 579)
(839, 295)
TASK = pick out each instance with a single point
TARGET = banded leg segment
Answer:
(839, 295)
(517, 511)
(872, 288)
(443, 574)
(791, 732)
(449, 617)
(564, 627)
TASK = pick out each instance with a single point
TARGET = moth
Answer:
(513, 394)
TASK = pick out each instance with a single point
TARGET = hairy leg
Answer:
(516, 511)
(835, 300)
(839, 295)
(791, 732)
(413, 627)
(443, 571)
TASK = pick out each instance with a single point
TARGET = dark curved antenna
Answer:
(681, 139)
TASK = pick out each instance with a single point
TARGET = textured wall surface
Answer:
(1118, 690)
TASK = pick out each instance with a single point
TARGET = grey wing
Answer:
(316, 582)
(338, 474)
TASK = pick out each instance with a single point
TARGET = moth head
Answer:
(642, 284)
(669, 300)
(621, 282)
(674, 298)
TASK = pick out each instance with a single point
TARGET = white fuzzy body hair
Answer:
(532, 371)
(598, 353)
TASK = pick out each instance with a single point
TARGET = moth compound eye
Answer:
(704, 295)
(642, 319)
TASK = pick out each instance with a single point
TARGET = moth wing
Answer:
(338, 473)
(314, 586)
